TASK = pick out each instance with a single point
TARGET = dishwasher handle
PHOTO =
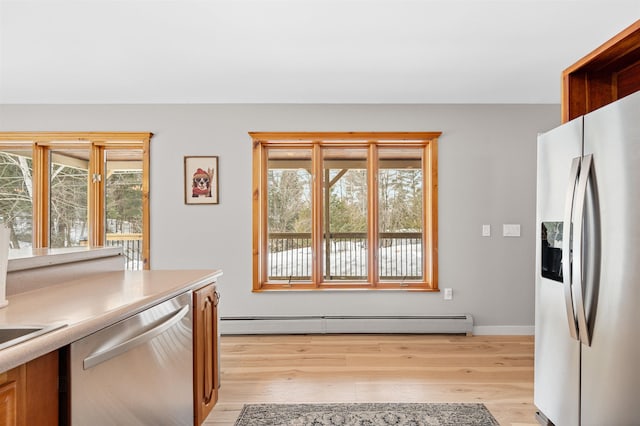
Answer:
(112, 352)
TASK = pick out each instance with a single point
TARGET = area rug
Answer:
(365, 414)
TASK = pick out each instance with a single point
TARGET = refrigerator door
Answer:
(557, 353)
(610, 373)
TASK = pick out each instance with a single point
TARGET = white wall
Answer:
(487, 160)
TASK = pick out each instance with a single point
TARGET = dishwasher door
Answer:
(138, 371)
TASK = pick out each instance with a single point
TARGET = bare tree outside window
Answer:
(289, 215)
(68, 177)
(16, 207)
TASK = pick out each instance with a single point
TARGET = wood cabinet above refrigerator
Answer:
(610, 72)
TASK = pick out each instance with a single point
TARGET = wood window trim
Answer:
(428, 141)
(41, 142)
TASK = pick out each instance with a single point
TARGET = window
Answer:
(77, 189)
(68, 173)
(345, 211)
(16, 192)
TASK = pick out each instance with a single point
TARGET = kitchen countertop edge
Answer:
(24, 352)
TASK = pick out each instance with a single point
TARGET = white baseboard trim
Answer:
(504, 330)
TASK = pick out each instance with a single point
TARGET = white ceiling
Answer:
(298, 51)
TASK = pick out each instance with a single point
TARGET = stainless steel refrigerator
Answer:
(587, 334)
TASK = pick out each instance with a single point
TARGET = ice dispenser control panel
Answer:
(551, 264)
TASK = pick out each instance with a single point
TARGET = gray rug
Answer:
(365, 414)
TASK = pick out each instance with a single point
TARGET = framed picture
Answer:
(201, 180)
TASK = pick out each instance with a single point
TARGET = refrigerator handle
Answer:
(566, 248)
(578, 250)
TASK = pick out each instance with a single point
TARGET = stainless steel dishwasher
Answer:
(138, 371)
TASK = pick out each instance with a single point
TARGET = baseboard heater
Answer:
(431, 324)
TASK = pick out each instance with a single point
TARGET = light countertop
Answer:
(87, 305)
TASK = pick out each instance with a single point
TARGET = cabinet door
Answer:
(42, 390)
(205, 336)
(12, 397)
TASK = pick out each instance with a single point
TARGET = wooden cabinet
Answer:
(205, 351)
(42, 390)
(29, 393)
(610, 72)
(12, 397)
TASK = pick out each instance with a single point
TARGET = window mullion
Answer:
(146, 221)
(372, 223)
(317, 215)
(40, 196)
(95, 196)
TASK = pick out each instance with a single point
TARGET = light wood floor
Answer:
(494, 370)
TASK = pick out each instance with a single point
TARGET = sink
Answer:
(12, 335)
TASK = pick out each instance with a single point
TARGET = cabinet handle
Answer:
(208, 353)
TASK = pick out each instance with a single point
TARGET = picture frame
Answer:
(201, 180)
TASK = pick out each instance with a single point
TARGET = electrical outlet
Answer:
(448, 294)
(486, 230)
